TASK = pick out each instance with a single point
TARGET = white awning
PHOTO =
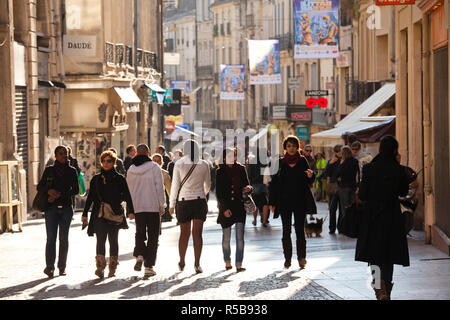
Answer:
(357, 120)
(196, 90)
(155, 87)
(127, 95)
(370, 106)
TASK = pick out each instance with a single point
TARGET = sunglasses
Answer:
(107, 161)
(308, 150)
(355, 149)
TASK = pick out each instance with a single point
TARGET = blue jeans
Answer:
(54, 218)
(226, 239)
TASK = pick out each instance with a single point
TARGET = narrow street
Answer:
(331, 272)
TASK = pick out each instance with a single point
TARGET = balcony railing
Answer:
(356, 92)
(139, 57)
(285, 41)
(120, 54)
(129, 56)
(205, 71)
(109, 52)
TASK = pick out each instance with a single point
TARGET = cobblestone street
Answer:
(331, 272)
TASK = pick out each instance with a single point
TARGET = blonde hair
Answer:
(346, 153)
(109, 153)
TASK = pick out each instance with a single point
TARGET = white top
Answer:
(198, 184)
(146, 187)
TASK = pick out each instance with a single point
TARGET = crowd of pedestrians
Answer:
(150, 189)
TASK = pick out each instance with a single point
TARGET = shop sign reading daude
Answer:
(83, 46)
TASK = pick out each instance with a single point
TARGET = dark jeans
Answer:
(333, 207)
(104, 230)
(299, 219)
(346, 197)
(57, 218)
(147, 229)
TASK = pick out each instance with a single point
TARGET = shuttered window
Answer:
(22, 124)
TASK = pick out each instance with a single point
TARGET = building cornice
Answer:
(428, 6)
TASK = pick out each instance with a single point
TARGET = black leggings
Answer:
(104, 230)
(299, 219)
(386, 270)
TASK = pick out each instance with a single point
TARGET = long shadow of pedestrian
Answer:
(210, 282)
(87, 288)
(270, 282)
(152, 288)
(12, 291)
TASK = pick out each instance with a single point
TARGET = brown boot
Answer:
(113, 262)
(389, 290)
(101, 265)
(381, 293)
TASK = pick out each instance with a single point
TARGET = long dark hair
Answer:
(389, 147)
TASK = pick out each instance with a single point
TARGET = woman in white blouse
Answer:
(189, 200)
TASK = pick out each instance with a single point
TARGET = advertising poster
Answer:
(316, 29)
(264, 58)
(185, 87)
(232, 82)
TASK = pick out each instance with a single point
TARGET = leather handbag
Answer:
(249, 204)
(40, 201)
(106, 211)
(332, 187)
(351, 219)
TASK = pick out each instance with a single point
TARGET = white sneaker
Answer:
(149, 272)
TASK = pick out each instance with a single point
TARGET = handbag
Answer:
(332, 187)
(351, 219)
(106, 211)
(183, 182)
(249, 204)
(40, 201)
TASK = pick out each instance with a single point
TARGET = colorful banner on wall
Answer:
(316, 29)
(264, 58)
(232, 82)
(185, 87)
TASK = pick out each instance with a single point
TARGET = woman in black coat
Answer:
(289, 193)
(382, 238)
(109, 187)
(231, 181)
(347, 174)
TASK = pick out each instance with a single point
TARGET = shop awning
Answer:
(196, 90)
(51, 84)
(360, 120)
(129, 98)
(370, 106)
(375, 133)
(155, 87)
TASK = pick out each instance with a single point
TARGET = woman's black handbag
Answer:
(351, 219)
(40, 202)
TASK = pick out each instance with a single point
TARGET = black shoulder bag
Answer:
(40, 201)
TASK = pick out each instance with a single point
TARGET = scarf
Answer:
(288, 159)
(60, 168)
(140, 160)
(107, 176)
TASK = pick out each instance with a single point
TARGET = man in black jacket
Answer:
(331, 172)
(61, 183)
(131, 153)
(166, 159)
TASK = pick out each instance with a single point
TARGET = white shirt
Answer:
(146, 187)
(198, 184)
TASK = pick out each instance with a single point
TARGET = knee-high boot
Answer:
(287, 250)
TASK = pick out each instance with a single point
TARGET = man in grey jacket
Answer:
(145, 182)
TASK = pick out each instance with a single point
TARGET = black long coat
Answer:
(114, 192)
(228, 201)
(382, 236)
(304, 200)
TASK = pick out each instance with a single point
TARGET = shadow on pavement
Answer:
(152, 288)
(12, 291)
(268, 283)
(90, 287)
(210, 282)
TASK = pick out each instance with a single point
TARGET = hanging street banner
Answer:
(264, 58)
(316, 29)
(394, 2)
(232, 82)
(185, 87)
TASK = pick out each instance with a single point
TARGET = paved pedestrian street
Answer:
(331, 272)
